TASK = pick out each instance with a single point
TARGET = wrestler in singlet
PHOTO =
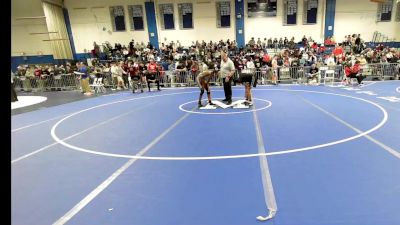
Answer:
(203, 80)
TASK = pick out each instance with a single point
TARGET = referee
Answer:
(226, 73)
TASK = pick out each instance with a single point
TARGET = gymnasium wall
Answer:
(22, 40)
(267, 27)
(204, 23)
(90, 21)
(359, 17)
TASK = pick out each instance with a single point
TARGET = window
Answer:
(136, 17)
(223, 14)
(167, 16)
(185, 11)
(398, 11)
(310, 11)
(289, 12)
(118, 18)
(385, 11)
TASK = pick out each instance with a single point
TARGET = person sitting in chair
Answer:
(136, 76)
(353, 72)
(314, 74)
(151, 74)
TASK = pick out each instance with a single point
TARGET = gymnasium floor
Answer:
(318, 155)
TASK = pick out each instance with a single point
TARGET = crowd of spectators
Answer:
(136, 58)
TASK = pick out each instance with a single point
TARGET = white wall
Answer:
(359, 17)
(267, 27)
(355, 16)
(88, 22)
(22, 41)
(204, 23)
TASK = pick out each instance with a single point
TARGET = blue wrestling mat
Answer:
(303, 155)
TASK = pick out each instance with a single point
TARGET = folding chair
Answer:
(100, 86)
(329, 76)
(95, 85)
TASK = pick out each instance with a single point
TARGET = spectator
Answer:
(353, 72)
(151, 74)
(14, 97)
(84, 77)
(313, 74)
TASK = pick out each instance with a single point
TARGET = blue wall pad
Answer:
(151, 23)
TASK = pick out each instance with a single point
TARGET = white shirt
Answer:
(250, 65)
(226, 67)
(116, 71)
(330, 61)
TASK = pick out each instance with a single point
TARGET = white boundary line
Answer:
(366, 85)
(44, 121)
(48, 146)
(226, 113)
(385, 147)
(37, 123)
(385, 117)
(78, 207)
(76, 134)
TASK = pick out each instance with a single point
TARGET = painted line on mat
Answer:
(380, 144)
(79, 133)
(226, 113)
(35, 124)
(78, 207)
(280, 152)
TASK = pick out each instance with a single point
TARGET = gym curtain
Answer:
(55, 22)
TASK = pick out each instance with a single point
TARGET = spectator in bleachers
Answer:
(330, 60)
(304, 41)
(329, 42)
(285, 42)
(312, 59)
(275, 44)
(287, 56)
(313, 74)
(280, 43)
(96, 50)
(269, 43)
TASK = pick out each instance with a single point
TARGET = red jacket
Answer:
(38, 72)
(152, 67)
(266, 58)
(338, 51)
(356, 68)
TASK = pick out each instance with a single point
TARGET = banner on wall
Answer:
(186, 8)
(225, 9)
(261, 8)
(167, 8)
(136, 11)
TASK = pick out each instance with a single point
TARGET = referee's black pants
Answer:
(228, 89)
